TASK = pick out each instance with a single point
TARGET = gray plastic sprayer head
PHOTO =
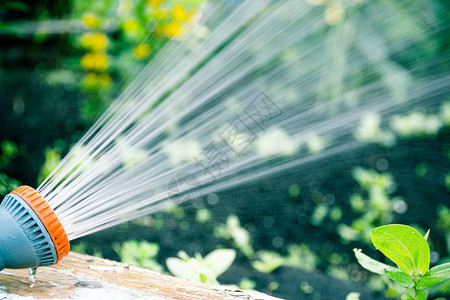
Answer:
(30, 233)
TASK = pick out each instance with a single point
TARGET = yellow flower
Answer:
(170, 30)
(334, 13)
(95, 41)
(99, 42)
(86, 40)
(179, 13)
(141, 51)
(131, 26)
(100, 61)
(154, 3)
(104, 80)
(90, 20)
(94, 61)
(92, 80)
(87, 61)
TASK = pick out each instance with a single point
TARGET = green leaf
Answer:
(203, 278)
(407, 297)
(405, 246)
(401, 278)
(353, 296)
(268, 262)
(220, 260)
(426, 235)
(421, 295)
(382, 269)
(372, 264)
(177, 267)
(435, 276)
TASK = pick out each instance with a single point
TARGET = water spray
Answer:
(31, 234)
(262, 93)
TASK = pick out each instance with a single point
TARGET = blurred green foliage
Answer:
(7, 184)
(233, 230)
(9, 150)
(376, 210)
(201, 269)
(119, 37)
(140, 253)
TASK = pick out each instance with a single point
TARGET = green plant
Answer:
(374, 210)
(409, 250)
(268, 261)
(201, 269)
(52, 159)
(141, 254)
(294, 190)
(7, 184)
(82, 247)
(443, 222)
(202, 215)
(235, 232)
(352, 296)
(299, 256)
(416, 124)
(9, 150)
(370, 131)
(247, 284)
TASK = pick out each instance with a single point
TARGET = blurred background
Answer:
(63, 62)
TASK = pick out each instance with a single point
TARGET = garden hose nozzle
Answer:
(30, 233)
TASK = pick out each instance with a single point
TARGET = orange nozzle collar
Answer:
(48, 218)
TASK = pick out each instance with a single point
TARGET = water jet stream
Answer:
(272, 87)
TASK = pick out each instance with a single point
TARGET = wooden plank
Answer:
(80, 276)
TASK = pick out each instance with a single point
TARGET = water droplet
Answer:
(400, 206)
(278, 242)
(329, 199)
(212, 199)
(382, 165)
(268, 222)
(32, 272)
(434, 257)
